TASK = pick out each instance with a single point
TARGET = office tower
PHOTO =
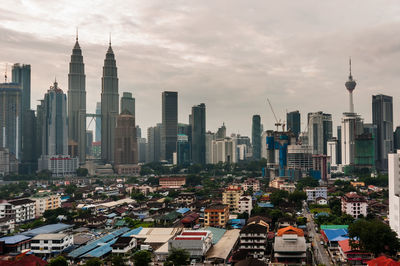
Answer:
(221, 132)
(224, 150)
(256, 137)
(10, 118)
(21, 74)
(396, 139)
(198, 126)
(29, 145)
(372, 129)
(55, 135)
(128, 103)
(77, 102)
(109, 106)
(293, 122)
(183, 150)
(339, 146)
(209, 137)
(319, 131)
(394, 191)
(39, 128)
(89, 142)
(332, 151)
(169, 124)
(365, 152)
(153, 144)
(98, 121)
(382, 117)
(351, 127)
(138, 132)
(126, 151)
(142, 147)
(350, 86)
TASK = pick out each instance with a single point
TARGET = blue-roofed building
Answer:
(265, 205)
(333, 236)
(48, 229)
(183, 210)
(217, 233)
(15, 244)
(133, 232)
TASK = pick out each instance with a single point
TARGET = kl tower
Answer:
(350, 86)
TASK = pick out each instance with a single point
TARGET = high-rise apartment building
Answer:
(382, 117)
(332, 151)
(77, 102)
(109, 106)
(293, 122)
(98, 122)
(126, 151)
(352, 126)
(221, 132)
(10, 118)
(169, 129)
(89, 142)
(128, 103)
(319, 131)
(396, 139)
(21, 74)
(198, 126)
(209, 137)
(224, 150)
(256, 137)
(394, 191)
(339, 146)
(183, 150)
(153, 144)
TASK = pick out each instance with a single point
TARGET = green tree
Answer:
(307, 182)
(117, 260)
(278, 196)
(374, 236)
(142, 258)
(82, 172)
(93, 262)
(179, 257)
(58, 261)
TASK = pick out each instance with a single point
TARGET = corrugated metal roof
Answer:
(135, 231)
(101, 250)
(47, 229)
(216, 232)
(10, 240)
(183, 210)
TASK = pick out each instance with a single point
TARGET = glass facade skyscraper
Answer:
(256, 137)
(293, 122)
(198, 126)
(169, 129)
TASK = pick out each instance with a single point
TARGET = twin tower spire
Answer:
(77, 104)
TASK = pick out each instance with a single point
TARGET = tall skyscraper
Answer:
(396, 139)
(352, 126)
(153, 144)
(221, 132)
(109, 106)
(77, 101)
(169, 124)
(209, 147)
(183, 150)
(21, 74)
(293, 122)
(128, 103)
(339, 146)
(55, 134)
(126, 145)
(319, 131)
(382, 117)
(256, 137)
(98, 122)
(198, 125)
(10, 118)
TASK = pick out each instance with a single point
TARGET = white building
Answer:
(245, 204)
(7, 217)
(59, 165)
(46, 202)
(124, 244)
(25, 210)
(354, 205)
(196, 242)
(299, 157)
(314, 193)
(252, 183)
(51, 243)
(352, 126)
(332, 151)
(224, 150)
(394, 191)
(319, 131)
(209, 147)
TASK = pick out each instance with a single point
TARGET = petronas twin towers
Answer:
(77, 104)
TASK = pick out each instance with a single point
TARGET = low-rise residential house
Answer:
(172, 182)
(197, 243)
(290, 246)
(245, 204)
(354, 204)
(321, 201)
(253, 239)
(252, 183)
(216, 215)
(316, 192)
(7, 225)
(231, 196)
(51, 243)
(351, 255)
(124, 244)
(14, 244)
(186, 198)
(46, 202)
(24, 210)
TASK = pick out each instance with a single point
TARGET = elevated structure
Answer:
(350, 86)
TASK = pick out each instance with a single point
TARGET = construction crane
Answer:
(278, 122)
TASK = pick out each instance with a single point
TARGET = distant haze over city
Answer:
(228, 54)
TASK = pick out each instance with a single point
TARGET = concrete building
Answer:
(198, 141)
(321, 169)
(169, 128)
(142, 148)
(290, 246)
(382, 117)
(352, 126)
(128, 103)
(293, 122)
(394, 191)
(224, 150)
(196, 242)
(332, 151)
(216, 215)
(209, 137)
(183, 150)
(126, 151)
(44, 202)
(299, 158)
(10, 118)
(7, 217)
(253, 239)
(245, 204)
(314, 193)
(7, 163)
(153, 152)
(98, 122)
(25, 209)
(89, 142)
(50, 244)
(251, 183)
(55, 156)
(256, 137)
(109, 106)
(221, 132)
(354, 205)
(123, 245)
(77, 101)
(231, 196)
(319, 131)
(172, 182)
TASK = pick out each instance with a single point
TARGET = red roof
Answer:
(29, 260)
(187, 238)
(383, 261)
(194, 233)
(290, 230)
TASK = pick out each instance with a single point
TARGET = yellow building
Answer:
(46, 202)
(231, 197)
(217, 215)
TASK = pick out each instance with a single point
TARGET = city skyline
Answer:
(152, 58)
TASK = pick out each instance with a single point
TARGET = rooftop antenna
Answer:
(109, 42)
(5, 74)
(76, 38)
(350, 65)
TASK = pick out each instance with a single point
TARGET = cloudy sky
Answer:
(231, 55)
